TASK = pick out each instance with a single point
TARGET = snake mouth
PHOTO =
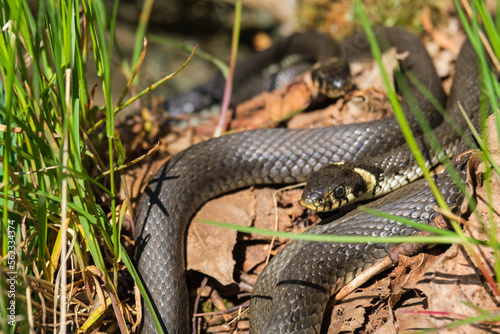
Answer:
(315, 205)
(309, 204)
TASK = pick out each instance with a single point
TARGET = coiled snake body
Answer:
(298, 282)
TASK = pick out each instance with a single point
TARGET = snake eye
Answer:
(339, 192)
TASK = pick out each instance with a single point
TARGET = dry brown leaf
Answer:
(210, 248)
(264, 210)
(358, 106)
(364, 106)
(347, 319)
(313, 119)
(290, 199)
(367, 75)
(450, 282)
(386, 328)
(410, 270)
(255, 255)
(442, 36)
(407, 315)
(349, 315)
(267, 108)
(380, 320)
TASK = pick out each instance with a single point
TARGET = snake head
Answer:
(336, 185)
(332, 77)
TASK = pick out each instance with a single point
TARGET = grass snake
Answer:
(298, 282)
(264, 71)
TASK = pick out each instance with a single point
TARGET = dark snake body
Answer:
(264, 71)
(301, 278)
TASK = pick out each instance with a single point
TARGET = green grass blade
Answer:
(441, 239)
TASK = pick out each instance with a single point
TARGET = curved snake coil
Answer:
(299, 281)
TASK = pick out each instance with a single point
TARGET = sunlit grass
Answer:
(52, 175)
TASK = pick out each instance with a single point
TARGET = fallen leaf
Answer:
(367, 75)
(254, 255)
(409, 314)
(269, 108)
(410, 270)
(349, 315)
(442, 36)
(451, 282)
(210, 248)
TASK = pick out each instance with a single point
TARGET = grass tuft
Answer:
(60, 249)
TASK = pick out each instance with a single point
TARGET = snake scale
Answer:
(298, 282)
